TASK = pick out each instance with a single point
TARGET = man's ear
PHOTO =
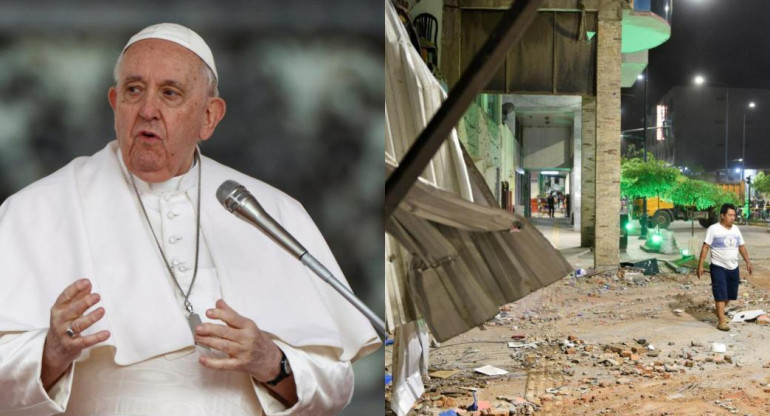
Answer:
(112, 97)
(215, 112)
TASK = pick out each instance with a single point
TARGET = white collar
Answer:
(185, 182)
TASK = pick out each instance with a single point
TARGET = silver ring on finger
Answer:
(70, 332)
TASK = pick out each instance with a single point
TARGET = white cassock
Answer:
(85, 221)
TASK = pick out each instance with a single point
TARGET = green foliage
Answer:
(699, 194)
(646, 179)
(693, 193)
(653, 178)
(761, 183)
(725, 197)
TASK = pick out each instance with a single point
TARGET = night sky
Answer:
(726, 41)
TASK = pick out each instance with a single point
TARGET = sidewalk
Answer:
(562, 236)
(567, 241)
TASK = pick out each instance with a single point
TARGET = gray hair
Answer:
(211, 79)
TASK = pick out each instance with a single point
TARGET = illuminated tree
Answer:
(646, 179)
(693, 193)
(761, 183)
(699, 194)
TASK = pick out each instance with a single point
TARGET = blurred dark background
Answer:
(304, 84)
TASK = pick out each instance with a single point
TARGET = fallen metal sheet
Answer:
(412, 97)
(421, 201)
(463, 276)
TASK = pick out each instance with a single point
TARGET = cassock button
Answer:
(174, 239)
(182, 268)
(171, 215)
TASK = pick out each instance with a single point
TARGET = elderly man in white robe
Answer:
(127, 289)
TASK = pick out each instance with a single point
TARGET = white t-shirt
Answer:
(724, 245)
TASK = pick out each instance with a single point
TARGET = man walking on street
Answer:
(725, 241)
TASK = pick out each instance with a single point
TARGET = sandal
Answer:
(723, 326)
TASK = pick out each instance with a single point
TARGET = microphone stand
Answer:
(239, 201)
(316, 267)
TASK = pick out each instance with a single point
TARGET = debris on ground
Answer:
(490, 370)
(746, 316)
(607, 342)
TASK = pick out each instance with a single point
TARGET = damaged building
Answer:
(459, 245)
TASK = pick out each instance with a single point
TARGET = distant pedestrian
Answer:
(551, 204)
(567, 212)
(725, 241)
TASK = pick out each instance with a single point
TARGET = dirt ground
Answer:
(613, 344)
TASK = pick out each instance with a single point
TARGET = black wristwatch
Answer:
(285, 371)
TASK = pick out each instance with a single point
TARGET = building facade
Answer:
(710, 130)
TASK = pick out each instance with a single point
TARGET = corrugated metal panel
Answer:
(470, 262)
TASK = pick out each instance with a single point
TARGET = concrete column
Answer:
(576, 174)
(588, 172)
(607, 232)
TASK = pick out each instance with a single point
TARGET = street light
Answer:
(751, 106)
(700, 80)
(746, 208)
(643, 219)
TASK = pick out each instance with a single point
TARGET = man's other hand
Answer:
(63, 342)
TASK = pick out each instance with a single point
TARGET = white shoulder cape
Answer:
(84, 221)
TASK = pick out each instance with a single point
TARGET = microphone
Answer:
(236, 199)
(239, 201)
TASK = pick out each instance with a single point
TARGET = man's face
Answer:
(162, 108)
(728, 218)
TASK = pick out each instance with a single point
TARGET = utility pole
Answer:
(727, 117)
(643, 218)
(746, 200)
(747, 197)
